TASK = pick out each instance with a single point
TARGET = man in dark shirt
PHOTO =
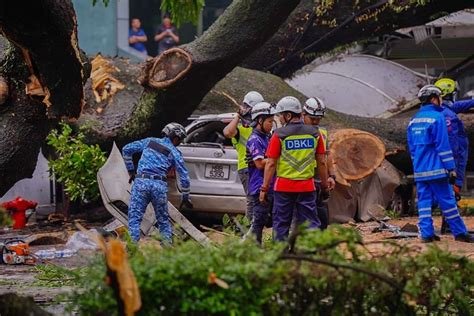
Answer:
(256, 147)
(166, 36)
(137, 37)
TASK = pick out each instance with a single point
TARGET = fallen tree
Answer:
(44, 71)
(46, 34)
(106, 126)
(43, 40)
(314, 28)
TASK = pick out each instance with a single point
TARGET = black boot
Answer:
(444, 226)
(465, 238)
(430, 239)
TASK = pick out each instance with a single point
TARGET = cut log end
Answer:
(356, 153)
(166, 69)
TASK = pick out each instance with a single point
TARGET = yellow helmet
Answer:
(447, 86)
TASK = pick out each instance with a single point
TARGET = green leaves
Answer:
(183, 10)
(105, 2)
(76, 164)
(345, 277)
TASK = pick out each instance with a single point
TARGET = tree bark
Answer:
(105, 127)
(341, 23)
(46, 34)
(186, 74)
(46, 61)
(44, 73)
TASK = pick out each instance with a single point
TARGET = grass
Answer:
(54, 276)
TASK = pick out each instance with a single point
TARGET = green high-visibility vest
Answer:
(240, 145)
(298, 149)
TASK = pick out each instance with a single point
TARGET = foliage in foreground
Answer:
(77, 163)
(324, 273)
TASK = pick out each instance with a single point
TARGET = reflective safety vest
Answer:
(241, 145)
(298, 149)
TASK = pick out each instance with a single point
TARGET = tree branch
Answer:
(390, 281)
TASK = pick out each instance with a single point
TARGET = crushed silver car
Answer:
(212, 164)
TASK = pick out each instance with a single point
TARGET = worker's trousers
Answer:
(322, 206)
(261, 214)
(284, 203)
(440, 190)
(145, 191)
(244, 178)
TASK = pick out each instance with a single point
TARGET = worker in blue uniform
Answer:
(457, 136)
(434, 166)
(159, 155)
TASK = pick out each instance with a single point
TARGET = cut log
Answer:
(356, 153)
(167, 69)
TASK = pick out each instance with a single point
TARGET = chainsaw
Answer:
(16, 251)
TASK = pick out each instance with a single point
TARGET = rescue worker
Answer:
(313, 111)
(457, 136)
(159, 155)
(434, 166)
(262, 116)
(239, 130)
(293, 152)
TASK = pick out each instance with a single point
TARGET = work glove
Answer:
(452, 177)
(186, 202)
(132, 177)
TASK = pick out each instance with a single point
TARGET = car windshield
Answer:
(208, 132)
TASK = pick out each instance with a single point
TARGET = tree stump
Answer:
(356, 154)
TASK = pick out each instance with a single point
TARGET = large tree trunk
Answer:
(45, 32)
(44, 74)
(340, 23)
(188, 73)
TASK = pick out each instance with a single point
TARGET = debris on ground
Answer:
(80, 240)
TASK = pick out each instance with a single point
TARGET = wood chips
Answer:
(104, 84)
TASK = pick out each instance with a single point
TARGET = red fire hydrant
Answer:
(18, 208)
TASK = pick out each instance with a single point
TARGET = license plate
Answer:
(217, 171)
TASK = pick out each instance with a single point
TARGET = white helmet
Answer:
(252, 98)
(173, 130)
(289, 104)
(262, 108)
(429, 91)
(314, 107)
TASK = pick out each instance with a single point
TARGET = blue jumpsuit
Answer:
(432, 158)
(159, 155)
(457, 136)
